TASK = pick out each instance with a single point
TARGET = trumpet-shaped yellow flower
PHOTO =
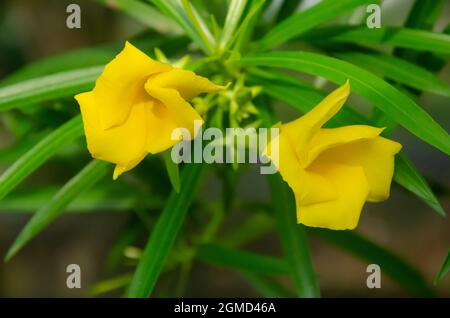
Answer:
(334, 171)
(135, 106)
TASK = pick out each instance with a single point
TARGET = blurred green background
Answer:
(34, 29)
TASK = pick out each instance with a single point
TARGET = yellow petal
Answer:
(309, 186)
(121, 85)
(160, 128)
(375, 156)
(187, 83)
(342, 213)
(301, 130)
(327, 138)
(179, 110)
(124, 145)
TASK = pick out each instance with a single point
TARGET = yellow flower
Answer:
(135, 106)
(334, 171)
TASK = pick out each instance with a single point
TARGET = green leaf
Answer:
(398, 70)
(407, 176)
(48, 87)
(98, 199)
(303, 21)
(293, 239)
(241, 260)
(40, 153)
(172, 171)
(397, 37)
(424, 14)
(265, 286)
(234, 14)
(303, 98)
(85, 179)
(165, 232)
(383, 95)
(444, 269)
(175, 10)
(143, 13)
(287, 8)
(391, 265)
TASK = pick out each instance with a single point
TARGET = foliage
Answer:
(246, 46)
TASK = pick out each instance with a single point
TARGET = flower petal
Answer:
(375, 156)
(327, 138)
(180, 111)
(309, 186)
(121, 84)
(301, 130)
(124, 145)
(187, 83)
(342, 213)
(160, 128)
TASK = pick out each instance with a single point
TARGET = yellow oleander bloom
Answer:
(135, 105)
(334, 171)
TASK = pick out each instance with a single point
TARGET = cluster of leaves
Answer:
(244, 44)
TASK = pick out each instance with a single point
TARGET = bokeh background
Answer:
(34, 29)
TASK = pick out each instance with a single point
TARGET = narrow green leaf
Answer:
(234, 14)
(86, 178)
(293, 238)
(241, 260)
(172, 171)
(287, 8)
(48, 87)
(444, 269)
(397, 37)
(399, 70)
(175, 11)
(265, 286)
(111, 284)
(98, 199)
(304, 98)
(393, 266)
(303, 21)
(165, 232)
(383, 95)
(144, 13)
(424, 14)
(407, 176)
(40, 153)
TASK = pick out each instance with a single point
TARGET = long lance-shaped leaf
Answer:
(399, 70)
(144, 13)
(444, 269)
(234, 14)
(293, 238)
(242, 260)
(165, 232)
(41, 152)
(47, 87)
(306, 20)
(304, 98)
(175, 11)
(407, 176)
(397, 37)
(383, 95)
(86, 178)
(266, 286)
(390, 264)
